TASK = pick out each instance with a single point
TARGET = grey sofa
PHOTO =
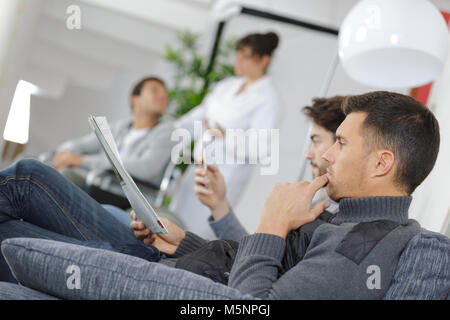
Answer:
(423, 272)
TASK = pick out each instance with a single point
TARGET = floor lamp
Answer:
(390, 44)
(393, 44)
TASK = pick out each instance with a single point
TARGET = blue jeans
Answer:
(38, 202)
(118, 213)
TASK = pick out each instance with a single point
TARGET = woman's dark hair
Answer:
(326, 112)
(261, 44)
(403, 125)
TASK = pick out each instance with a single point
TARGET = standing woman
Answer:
(247, 101)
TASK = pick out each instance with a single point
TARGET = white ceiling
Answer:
(124, 34)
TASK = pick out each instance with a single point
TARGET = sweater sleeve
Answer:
(96, 161)
(228, 228)
(89, 147)
(256, 266)
(189, 244)
(149, 166)
(83, 145)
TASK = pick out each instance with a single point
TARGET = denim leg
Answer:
(50, 205)
(23, 229)
(118, 213)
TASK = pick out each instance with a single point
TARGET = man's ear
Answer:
(384, 163)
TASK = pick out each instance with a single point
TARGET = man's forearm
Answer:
(228, 227)
(276, 228)
(221, 210)
(95, 161)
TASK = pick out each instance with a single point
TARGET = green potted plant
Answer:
(191, 71)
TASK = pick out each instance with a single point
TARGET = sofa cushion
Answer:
(48, 266)
(70, 271)
(423, 271)
(11, 291)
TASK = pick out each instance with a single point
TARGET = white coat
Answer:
(258, 107)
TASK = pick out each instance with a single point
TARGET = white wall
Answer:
(17, 32)
(431, 204)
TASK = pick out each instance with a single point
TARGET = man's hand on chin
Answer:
(288, 207)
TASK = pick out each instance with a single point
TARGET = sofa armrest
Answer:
(423, 271)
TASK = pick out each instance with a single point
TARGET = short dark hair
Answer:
(261, 44)
(403, 125)
(138, 86)
(326, 112)
(137, 89)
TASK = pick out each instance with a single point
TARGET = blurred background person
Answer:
(247, 101)
(143, 142)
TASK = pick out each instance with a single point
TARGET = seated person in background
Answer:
(326, 115)
(144, 144)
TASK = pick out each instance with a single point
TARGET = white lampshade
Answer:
(393, 43)
(18, 123)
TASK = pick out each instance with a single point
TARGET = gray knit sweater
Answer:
(346, 259)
